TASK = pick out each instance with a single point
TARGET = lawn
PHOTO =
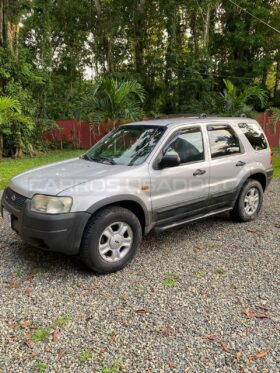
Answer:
(276, 163)
(11, 167)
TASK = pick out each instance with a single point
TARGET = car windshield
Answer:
(127, 145)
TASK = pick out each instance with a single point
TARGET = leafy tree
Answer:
(234, 101)
(113, 100)
(13, 122)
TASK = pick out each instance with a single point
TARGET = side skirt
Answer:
(162, 228)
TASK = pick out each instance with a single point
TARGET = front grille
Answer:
(15, 199)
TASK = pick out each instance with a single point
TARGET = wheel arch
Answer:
(131, 203)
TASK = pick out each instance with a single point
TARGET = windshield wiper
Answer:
(86, 157)
(99, 158)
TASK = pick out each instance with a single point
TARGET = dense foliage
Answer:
(180, 52)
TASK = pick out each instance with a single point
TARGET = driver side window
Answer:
(188, 145)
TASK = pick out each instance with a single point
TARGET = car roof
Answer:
(174, 122)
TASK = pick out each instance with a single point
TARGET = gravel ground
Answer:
(202, 298)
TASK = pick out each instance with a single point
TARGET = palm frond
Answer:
(9, 103)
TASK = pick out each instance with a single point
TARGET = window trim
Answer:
(171, 138)
(223, 126)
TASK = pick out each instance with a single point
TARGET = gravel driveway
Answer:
(202, 298)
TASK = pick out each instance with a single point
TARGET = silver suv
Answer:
(149, 175)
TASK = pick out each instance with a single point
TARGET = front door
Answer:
(182, 191)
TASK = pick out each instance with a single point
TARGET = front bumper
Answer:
(59, 232)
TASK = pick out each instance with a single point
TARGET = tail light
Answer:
(271, 156)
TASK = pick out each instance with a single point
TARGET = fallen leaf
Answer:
(13, 285)
(216, 239)
(197, 249)
(25, 324)
(237, 356)
(224, 346)
(277, 225)
(251, 314)
(262, 307)
(60, 353)
(211, 338)
(167, 330)
(254, 231)
(55, 335)
(241, 370)
(172, 364)
(204, 291)
(247, 312)
(259, 355)
(26, 339)
(27, 278)
(31, 356)
(28, 292)
(141, 311)
(47, 349)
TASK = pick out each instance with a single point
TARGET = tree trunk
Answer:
(139, 26)
(276, 85)
(106, 41)
(206, 29)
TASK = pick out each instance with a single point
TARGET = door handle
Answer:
(240, 164)
(199, 172)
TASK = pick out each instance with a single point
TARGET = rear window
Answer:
(254, 134)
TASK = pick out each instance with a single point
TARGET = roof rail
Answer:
(202, 115)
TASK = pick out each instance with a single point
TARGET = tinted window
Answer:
(254, 134)
(188, 145)
(223, 141)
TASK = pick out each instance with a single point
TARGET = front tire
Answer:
(111, 240)
(249, 202)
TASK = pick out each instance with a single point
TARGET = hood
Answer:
(57, 177)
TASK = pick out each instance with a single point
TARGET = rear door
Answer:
(181, 191)
(227, 162)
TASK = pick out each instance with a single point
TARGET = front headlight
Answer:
(51, 204)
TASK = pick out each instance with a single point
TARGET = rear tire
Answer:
(111, 240)
(249, 202)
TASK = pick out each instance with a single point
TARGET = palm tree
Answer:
(275, 117)
(12, 122)
(236, 102)
(113, 100)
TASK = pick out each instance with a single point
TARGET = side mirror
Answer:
(169, 160)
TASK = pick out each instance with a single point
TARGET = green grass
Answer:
(276, 163)
(40, 367)
(10, 167)
(40, 335)
(61, 322)
(84, 356)
(171, 280)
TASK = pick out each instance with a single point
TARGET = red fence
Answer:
(272, 132)
(81, 134)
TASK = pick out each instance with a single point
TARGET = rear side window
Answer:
(254, 134)
(223, 141)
